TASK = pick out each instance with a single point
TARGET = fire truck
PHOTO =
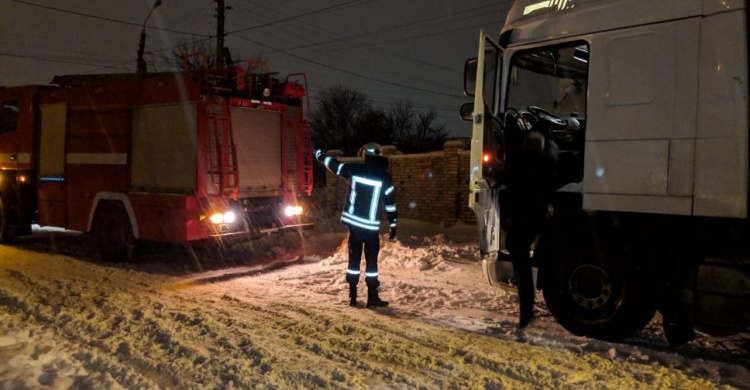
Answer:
(648, 105)
(168, 157)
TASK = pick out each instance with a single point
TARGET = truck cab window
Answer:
(547, 92)
(554, 79)
(9, 115)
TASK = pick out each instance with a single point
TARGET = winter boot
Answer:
(373, 300)
(353, 295)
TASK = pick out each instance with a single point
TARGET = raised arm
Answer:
(337, 167)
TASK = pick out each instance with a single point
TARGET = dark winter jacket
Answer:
(368, 184)
(530, 180)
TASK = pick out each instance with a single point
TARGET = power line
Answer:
(397, 27)
(417, 36)
(346, 71)
(125, 22)
(299, 16)
(46, 50)
(194, 14)
(381, 51)
(394, 55)
(15, 55)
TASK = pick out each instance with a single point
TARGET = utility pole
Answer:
(141, 63)
(220, 34)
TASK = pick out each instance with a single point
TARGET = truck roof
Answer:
(540, 20)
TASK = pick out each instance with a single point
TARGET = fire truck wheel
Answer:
(113, 233)
(605, 299)
(7, 232)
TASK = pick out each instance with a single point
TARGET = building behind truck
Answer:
(169, 157)
(648, 102)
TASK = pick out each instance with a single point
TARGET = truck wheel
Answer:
(113, 233)
(7, 232)
(605, 299)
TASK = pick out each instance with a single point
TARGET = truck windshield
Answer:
(553, 78)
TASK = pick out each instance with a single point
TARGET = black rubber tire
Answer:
(113, 233)
(7, 231)
(598, 294)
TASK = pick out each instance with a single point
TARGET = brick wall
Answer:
(430, 187)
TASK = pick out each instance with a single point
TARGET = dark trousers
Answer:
(521, 233)
(358, 238)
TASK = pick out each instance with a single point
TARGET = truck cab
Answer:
(648, 105)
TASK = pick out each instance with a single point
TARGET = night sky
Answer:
(388, 49)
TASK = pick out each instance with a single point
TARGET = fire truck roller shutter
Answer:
(257, 136)
(164, 154)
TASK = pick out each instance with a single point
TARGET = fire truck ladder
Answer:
(222, 164)
(303, 143)
(304, 155)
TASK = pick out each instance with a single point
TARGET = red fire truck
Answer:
(169, 157)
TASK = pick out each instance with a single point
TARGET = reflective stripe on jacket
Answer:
(369, 183)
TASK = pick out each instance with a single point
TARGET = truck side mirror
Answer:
(467, 111)
(470, 77)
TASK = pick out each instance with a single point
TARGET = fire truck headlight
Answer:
(217, 218)
(221, 218)
(291, 211)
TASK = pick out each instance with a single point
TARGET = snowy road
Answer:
(70, 321)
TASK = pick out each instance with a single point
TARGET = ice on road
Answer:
(73, 322)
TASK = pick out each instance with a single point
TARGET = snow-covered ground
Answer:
(68, 320)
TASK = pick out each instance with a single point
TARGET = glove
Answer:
(392, 236)
(318, 154)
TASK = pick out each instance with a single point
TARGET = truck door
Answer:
(483, 195)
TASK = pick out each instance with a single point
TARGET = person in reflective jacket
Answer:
(369, 183)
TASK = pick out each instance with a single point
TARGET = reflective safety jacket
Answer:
(369, 183)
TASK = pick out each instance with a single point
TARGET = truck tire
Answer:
(597, 291)
(7, 231)
(112, 232)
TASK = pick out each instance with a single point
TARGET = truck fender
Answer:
(114, 196)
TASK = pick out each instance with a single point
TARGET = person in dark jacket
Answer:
(369, 183)
(529, 181)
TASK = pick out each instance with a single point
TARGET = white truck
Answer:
(648, 104)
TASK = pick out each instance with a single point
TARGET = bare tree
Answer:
(344, 119)
(400, 117)
(416, 131)
(194, 55)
